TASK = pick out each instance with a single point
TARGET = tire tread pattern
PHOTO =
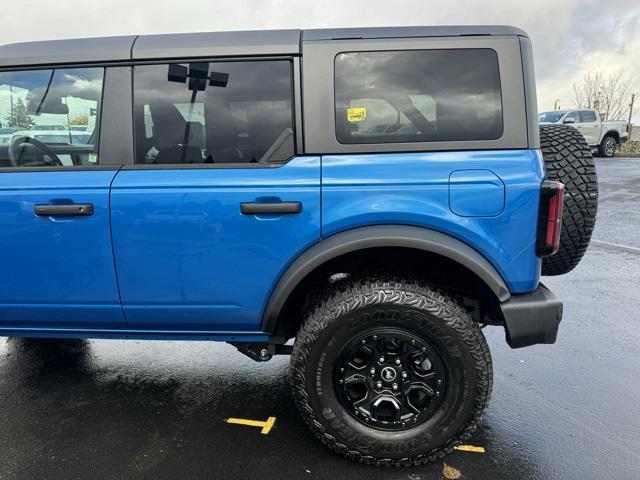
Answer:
(332, 305)
(568, 160)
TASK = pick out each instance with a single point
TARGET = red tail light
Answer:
(550, 219)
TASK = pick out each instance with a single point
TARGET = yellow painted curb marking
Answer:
(266, 426)
(469, 448)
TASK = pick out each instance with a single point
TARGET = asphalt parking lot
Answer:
(157, 410)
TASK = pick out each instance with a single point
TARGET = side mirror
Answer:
(569, 120)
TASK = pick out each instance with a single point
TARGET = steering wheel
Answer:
(18, 147)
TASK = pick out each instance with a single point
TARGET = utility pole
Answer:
(630, 127)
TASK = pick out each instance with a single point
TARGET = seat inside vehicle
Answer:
(242, 114)
(221, 132)
(169, 128)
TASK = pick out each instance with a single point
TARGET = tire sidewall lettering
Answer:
(460, 372)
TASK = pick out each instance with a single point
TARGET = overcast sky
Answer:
(570, 37)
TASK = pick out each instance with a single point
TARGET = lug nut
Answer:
(378, 384)
(397, 361)
(381, 359)
(372, 371)
(395, 386)
(404, 374)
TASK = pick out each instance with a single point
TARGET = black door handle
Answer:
(247, 208)
(73, 209)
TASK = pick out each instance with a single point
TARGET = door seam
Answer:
(113, 248)
(321, 200)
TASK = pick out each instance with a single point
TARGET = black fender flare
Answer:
(380, 236)
(612, 133)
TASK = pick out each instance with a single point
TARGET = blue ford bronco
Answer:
(365, 200)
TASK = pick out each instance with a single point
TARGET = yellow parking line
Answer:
(266, 426)
(469, 448)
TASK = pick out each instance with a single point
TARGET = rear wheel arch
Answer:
(614, 134)
(367, 247)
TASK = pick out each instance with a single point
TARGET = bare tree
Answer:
(617, 96)
(609, 95)
(586, 92)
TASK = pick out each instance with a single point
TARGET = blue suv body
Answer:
(220, 180)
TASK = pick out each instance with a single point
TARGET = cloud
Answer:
(570, 37)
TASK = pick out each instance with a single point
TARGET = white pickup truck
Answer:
(605, 136)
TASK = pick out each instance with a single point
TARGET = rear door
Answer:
(217, 203)
(56, 255)
(589, 126)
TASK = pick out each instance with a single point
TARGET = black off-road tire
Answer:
(357, 308)
(568, 160)
(607, 147)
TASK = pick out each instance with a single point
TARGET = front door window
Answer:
(49, 118)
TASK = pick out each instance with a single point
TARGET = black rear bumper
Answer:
(532, 318)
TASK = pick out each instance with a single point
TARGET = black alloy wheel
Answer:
(390, 379)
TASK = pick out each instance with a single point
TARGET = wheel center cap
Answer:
(388, 374)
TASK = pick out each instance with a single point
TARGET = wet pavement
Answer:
(142, 409)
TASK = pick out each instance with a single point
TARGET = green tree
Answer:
(18, 117)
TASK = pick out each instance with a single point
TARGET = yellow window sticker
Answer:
(356, 114)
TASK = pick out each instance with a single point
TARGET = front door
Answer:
(55, 255)
(217, 204)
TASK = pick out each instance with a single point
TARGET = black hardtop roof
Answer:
(212, 44)
(404, 32)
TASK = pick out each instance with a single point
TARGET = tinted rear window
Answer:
(418, 96)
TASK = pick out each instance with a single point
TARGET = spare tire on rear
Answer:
(568, 160)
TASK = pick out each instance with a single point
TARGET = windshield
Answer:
(550, 117)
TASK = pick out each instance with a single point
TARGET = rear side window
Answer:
(418, 96)
(587, 116)
(222, 112)
(49, 118)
